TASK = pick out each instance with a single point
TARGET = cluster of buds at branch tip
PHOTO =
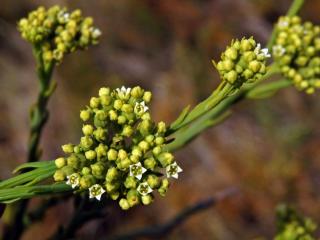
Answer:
(58, 32)
(121, 154)
(244, 61)
(297, 51)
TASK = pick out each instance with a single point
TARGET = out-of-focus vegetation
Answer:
(269, 149)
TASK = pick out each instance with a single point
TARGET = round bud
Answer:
(60, 162)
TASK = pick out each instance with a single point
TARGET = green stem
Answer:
(26, 192)
(34, 176)
(39, 113)
(221, 112)
(223, 90)
(38, 118)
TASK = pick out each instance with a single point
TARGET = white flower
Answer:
(283, 23)
(95, 32)
(123, 92)
(73, 180)
(96, 191)
(278, 50)
(173, 170)
(140, 108)
(264, 51)
(144, 189)
(66, 16)
(136, 170)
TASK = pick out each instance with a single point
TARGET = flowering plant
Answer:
(124, 154)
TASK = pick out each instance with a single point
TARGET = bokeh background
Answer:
(269, 149)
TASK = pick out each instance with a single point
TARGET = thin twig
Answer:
(164, 229)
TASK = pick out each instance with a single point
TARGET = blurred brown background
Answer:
(268, 148)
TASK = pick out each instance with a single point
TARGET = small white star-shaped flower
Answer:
(263, 51)
(73, 180)
(283, 23)
(278, 50)
(66, 16)
(123, 92)
(136, 170)
(96, 32)
(140, 108)
(173, 170)
(144, 189)
(96, 191)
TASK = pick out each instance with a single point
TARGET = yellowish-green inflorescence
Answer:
(244, 61)
(297, 51)
(121, 154)
(58, 32)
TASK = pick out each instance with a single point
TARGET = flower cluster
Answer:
(58, 32)
(297, 51)
(292, 226)
(244, 61)
(121, 152)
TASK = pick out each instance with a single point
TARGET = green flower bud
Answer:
(113, 115)
(85, 115)
(144, 146)
(130, 182)
(100, 134)
(127, 131)
(122, 120)
(112, 155)
(94, 102)
(73, 161)
(102, 151)
(86, 171)
(59, 176)
(87, 181)
(122, 154)
(114, 195)
(87, 129)
(112, 174)
(165, 159)
(105, 100)
(90, 155)
(137, 92)
(147, 96)
(124, 204)
(132, 197)
(67, 170)
(159, 140)
(67, 148)
(161, 127)
(124, 164)
(150, 163)
(153, 181)
(104, 91)
(231, 53)
(112, 187)
(60, 162)
(147, 199)
(117, 104)
(134, 158)
(156, 150)
(98, 170)
(164, 187)
(86, 142)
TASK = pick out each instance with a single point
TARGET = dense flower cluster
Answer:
(292, 226)
(58, 32)
(122, 151)
(297, 50)
(244, 61)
